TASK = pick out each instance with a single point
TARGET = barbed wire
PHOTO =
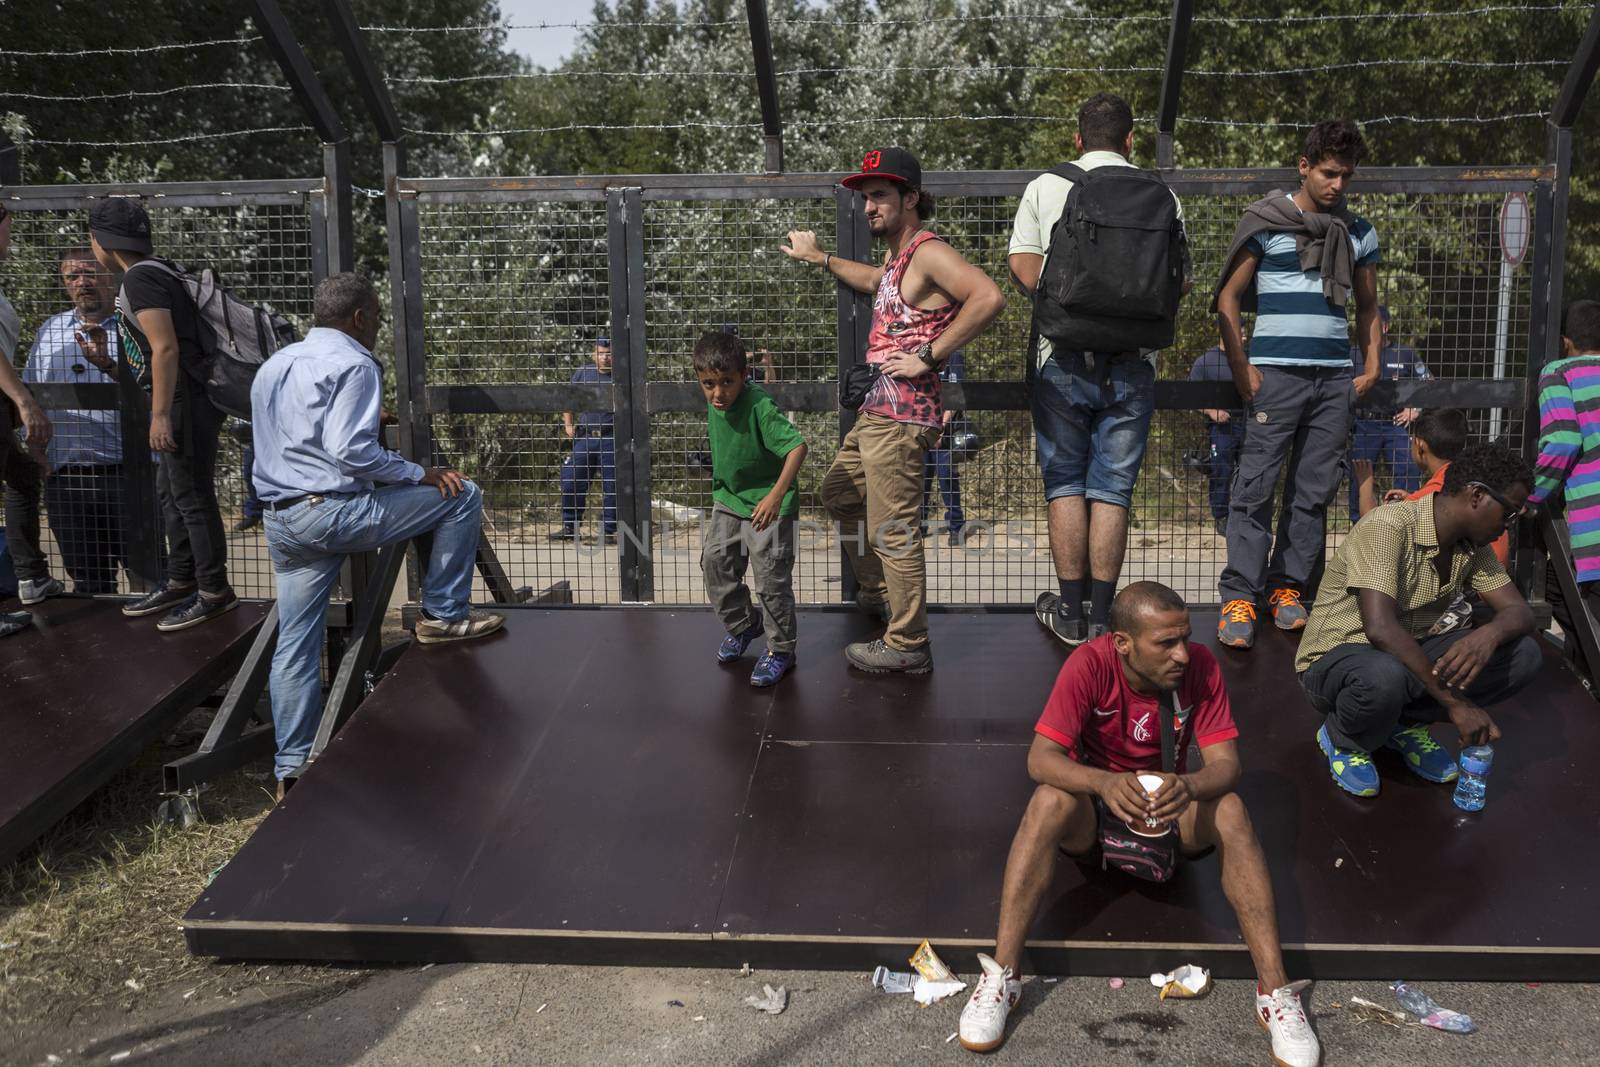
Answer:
(577, 126)
(144, 50)
(138, 93)
(171, 140)
(1442, 120)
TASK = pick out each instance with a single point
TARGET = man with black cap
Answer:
(158, 329)
(594, 451)
(926, 308)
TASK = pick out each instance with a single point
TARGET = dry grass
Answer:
(89, 914)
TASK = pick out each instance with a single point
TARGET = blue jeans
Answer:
(1382, 441)
(590, 456)
(310, 541)
(942, 465)
(1225, 439)
(1090, 426)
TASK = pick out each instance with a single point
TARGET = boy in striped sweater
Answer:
(1569, 440)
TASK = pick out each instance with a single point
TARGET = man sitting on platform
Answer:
(330, 489)
(1383, 656)
(1100, 734)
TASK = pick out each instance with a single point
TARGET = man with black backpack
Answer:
(1099, 245)
(159, 331)
(1297, 260)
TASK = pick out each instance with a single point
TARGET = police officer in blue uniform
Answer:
(1380, 428)
(941, 461)
(1225, 430)
(594, 451)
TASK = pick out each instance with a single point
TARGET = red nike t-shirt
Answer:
(1094, 712)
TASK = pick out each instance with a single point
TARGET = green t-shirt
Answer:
(748, 444)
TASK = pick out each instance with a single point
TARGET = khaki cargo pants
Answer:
(874, 492)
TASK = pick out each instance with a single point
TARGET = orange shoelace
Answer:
(1280, 597)
(1239, 611)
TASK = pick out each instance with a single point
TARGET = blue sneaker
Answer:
(770, 668)
(733, 646)
(1423, 754)
(1352, 769)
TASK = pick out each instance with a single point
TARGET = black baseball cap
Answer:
(893, 163)
(121, 224)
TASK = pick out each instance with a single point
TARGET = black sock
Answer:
(1071, 606)
(1100, 596)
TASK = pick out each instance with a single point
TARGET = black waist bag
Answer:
(1154, 859)
(856, 383)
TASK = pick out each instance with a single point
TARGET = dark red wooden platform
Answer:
(84, 691)
(589, 786)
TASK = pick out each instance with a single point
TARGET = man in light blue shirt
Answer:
(330, 489)
(83, 490)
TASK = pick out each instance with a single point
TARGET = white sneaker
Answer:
(983, 1020)
(1283, 1017)
(36, 590)
(477, 624)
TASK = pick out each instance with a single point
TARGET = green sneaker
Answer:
(1424, 756)
(1351, 768)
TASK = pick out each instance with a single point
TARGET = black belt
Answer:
(281, 505)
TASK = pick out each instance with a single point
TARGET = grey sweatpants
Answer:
(731, 545)
(1302, 415)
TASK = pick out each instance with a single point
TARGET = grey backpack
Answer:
(236, 337)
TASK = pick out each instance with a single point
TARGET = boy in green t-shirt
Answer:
(756, 455)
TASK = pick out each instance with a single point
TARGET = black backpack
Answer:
(236, 337)
(1114, 274)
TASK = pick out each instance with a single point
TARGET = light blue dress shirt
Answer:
(315, 407)
(80, 438)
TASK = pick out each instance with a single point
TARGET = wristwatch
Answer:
(925, 353)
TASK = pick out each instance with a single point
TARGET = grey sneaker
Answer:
(478, 623)
(1047, 609)
(875, 657)
(14, 622)
(37, 589)
(873, 608)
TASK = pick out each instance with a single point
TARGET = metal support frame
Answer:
(1553, 532)
(625, 248)
(350, 681)
(235, 736)
(1172, 80)
(766, 84)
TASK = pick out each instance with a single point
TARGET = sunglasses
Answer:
(1512, 514)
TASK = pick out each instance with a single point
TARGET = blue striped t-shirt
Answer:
(1296, 326)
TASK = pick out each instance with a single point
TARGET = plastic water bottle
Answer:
(1475, 763)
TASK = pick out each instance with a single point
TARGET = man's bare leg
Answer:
(1069, 537)
(1108, 541)
(1225, 823)
(1054, 819)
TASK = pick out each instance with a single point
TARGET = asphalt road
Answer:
(497, 1014)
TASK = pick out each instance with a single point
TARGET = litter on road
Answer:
(1424, 1007)
(1187, 982)
(773, 1002)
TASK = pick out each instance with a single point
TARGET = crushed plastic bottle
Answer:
(1423, 1007)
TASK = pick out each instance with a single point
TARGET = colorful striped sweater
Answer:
(1569, 453)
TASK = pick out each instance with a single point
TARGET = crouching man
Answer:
(1101, 731)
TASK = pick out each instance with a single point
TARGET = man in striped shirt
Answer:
(1298, 260)
(1569, 440)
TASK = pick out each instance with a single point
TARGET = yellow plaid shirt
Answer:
(1392, 550)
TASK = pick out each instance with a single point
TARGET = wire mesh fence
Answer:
(516, 291)
(262, 251)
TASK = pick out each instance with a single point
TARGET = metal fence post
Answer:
(1540, 342)
(629, 392)
(1172, 80)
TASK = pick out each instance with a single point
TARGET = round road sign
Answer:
(1515, 227)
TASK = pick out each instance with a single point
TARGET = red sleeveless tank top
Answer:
(901, 327)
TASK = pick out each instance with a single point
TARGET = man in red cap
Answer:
(926, 308)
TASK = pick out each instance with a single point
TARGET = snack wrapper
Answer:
(1185, 983)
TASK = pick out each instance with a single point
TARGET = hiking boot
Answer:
(1237, 627)
(771, 668)
(873, 607)
(163, 597)
(1423, 755)
(35, 590)
(734, 645)
(1047, 609)
(198, 609)
(14, 622)
(1283, 1016)
(1097, 629)
(1287, 611)
(1350, 767)
(876, 657)
(983, 1020)
(477, 623)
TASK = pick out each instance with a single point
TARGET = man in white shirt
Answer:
(1091, 410)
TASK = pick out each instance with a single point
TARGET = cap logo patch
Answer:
(872, 160)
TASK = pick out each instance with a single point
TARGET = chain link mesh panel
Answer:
(261, 251)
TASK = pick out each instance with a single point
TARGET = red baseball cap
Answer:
(892, 163)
